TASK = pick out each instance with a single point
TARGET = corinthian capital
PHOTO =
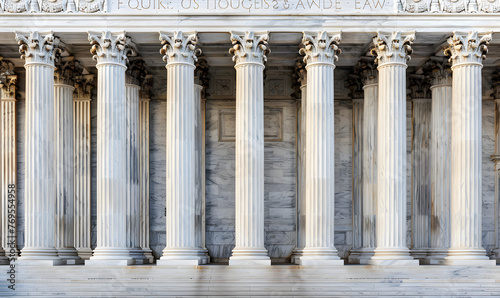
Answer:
(367, 71)
(393, 48)
(249, 47)
(84, 84)
(467, 47)
(177, 48)
(320, 48)
(439, 71)
(419, 87)
(8, 86)
(137, 71)
(37, 48)
(67, 69)
(111, 47)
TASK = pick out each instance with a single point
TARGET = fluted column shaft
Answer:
(181, 187)
(144, 176)
(8, 179)
(111, 163)
(301, 173)
(82, 138)
(369, 167)
(421, 177)
(357, 172)
(249, 209)
(466, 146)
(320, 180)
(391, 163)
(40, 195)
(132, 195)
(199, 177)
(440, 172)
(64, 174)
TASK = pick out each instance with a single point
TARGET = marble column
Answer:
(144, 98)
(180, 54)
(249, 54)
(420, 95)
(466, 51)
(301, 76)
(82, 96)
(440, 158)
(356, 86)
(366, 69)
(8, 160)
(392, 51)
(39, 52)
(201, 79)
(111, 51)
(65, 72)
(134, 75)
(320, 50)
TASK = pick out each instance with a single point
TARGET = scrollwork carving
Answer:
(322, 48)
(37, 48)
(178, 48)
(111, 48)
(67, 69)
(249, 48)
(394, 48)
(84, 84)
(467, 47)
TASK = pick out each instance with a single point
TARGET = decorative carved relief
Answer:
(109, 47)
(450, 6)
(249, 48)
(8, 86)
(467, 48)
(58, 5)
(91, 6)
(416, 6)
(16, 6)
(273, 124)
(177, 48)
(67, 69)
(36, 48)
(393, 48)
(321, 48)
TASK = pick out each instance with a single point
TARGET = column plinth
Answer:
(319, 248)
(39, 52)
(180, 246)
(249, 54)
(111, 50)
(392, 52)
(467, 52)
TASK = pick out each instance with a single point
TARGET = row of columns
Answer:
(119, 208)
(444, 231)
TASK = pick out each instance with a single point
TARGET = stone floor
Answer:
(283, 280)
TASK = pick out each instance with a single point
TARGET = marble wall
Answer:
(280, 173)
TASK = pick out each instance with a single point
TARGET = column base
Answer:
(249, 257)
(392, 256)
(296, 255)
(434, 256)
(138, 256)
(203, 255)
(179, 257)
(39, 253)
(362, 255)
(320, 256)
(419, 253)
(110, 256)
(84, 253)
(69, 256)
(468, 257)
(39, 263)
(148, 253)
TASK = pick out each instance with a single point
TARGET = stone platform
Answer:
(283, 280)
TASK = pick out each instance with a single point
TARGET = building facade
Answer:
(194, 135)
